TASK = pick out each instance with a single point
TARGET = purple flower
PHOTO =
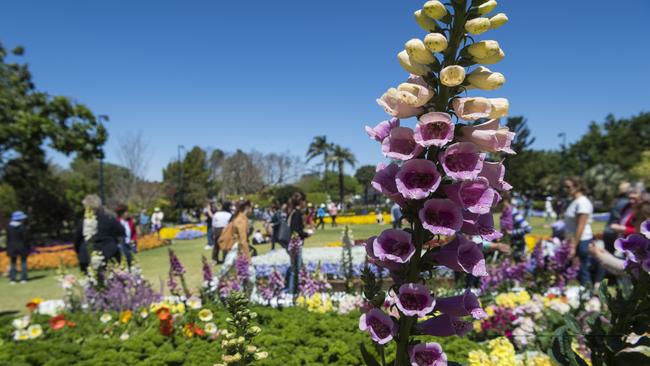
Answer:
(294, 246)
(417, 178)
(462, 255)
(434, 129)
(414, 300)
(382, 130)
(384, 181)
(393, 245)
(444, 326)
(461, 305)
(462, 160)
(392, 266)
(489, 136)
(400, 144)
(241, 266)
(427, 354)
(175, 264)
(441, 216)
(207, 270)
(645, 228)
(634, 246)
(474, 195)
(494, 173)
(380, 326)
(482, 225)
(171, 284)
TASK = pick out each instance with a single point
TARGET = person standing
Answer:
(620, 205)
(396, 215)
(549, 213)
(156, 221)
(234, 238)
(126, 243)
(320, 214)
(209, 211)
(578, 217)
(220, 219)
(143, 222)
(275, 221)
(334, 210)
(17, 246)
(296, 207)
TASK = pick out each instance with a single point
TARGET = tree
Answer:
(340, 156)
(133, 153)
(194, 189)
(364, 175)
(641, 170)
(603, 180)
(320, 147)
(522, 140)
(241, 175)
(277, 168)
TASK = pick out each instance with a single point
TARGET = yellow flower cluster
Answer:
(534, 359)
(358, 219)
(316, 303)
(502, 353)
(169, 233)
(174, 308)
(511, 299)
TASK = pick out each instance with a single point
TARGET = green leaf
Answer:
(367, 357)
(639, 355)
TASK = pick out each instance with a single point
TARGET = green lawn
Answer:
(155, 263)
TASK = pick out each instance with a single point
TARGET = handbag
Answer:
(284, 231)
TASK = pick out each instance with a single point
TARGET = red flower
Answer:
(71, 324)
(31, 306)
(58, 322)
(198, 331)
(166, 323)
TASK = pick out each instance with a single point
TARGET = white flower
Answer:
(144, 313)
(560, 307)
(21, 335)
(105, 318)
(194, 302)
(35, 331)
(205, 315)
(593, 305)
(68, 281)
(21, 323)
(124, 336)
(210, 328)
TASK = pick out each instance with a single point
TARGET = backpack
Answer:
(284, 231)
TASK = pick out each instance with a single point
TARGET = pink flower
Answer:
(482, 225)
(380, 326)
(384, 180)
(427, 354)
(400, 144)
(489, 136)
(474, 195)
(434, 129)
(462, 160)
(414, 299)
(462, 255)
(441, 216)
(417, 178)
(382, 130)
(494, 172)
(461, 305)
(393, 245)
(471, 109)
(395, 105)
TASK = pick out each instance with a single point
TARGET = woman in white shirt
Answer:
(577, 218)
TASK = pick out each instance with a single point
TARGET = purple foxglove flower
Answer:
(494, 173)
(417, 178)
(634, 246)
(441, 216)
(489, 136)
(434, 129)
(414, 300)
(462, 160)
(400, 144)
(393, 245)
(444, 326)
(380, 326)
(392, 266)
(482, 225)
(175, 264)
(384, 180)
(382, 130)
(462, 255)
(645, 228)
(461, 305)
(474, 195)
(427, 354)
(396, 105)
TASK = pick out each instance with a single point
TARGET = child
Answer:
(17, 246)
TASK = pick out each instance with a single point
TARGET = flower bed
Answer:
(358, 219)
(170, 233)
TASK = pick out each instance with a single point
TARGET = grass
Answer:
(155, 263)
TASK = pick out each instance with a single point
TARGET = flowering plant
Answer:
(439, 176)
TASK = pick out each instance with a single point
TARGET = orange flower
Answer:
(71, 324)
(125, 316)
(199, 332)
(164, 314)
(31, 306)
(188, 330)
(58, 322)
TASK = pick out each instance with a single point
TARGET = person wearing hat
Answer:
(17, 246)
(156, 221)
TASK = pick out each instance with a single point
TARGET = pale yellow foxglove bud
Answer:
(490, 60)
(487, 7)
(435, 42)
(484, 78)
(413, 94)
(410, 65)
(434, 9)
(483, 49)
(500, 107)
(498, 20)
(477, 25)
(452, 75)
(425, 22)
(418, 52)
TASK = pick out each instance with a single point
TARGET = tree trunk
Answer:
(341, 191)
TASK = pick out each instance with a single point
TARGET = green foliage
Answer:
(364, 176)
(189, 189)
(641, 171)
(313, 183)
(340, 157)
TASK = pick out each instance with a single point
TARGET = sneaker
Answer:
(207, 247)
(23, 281)
(12, 282)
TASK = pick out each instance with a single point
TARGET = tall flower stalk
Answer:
(440, 175)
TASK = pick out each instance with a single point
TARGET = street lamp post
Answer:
(180, 184)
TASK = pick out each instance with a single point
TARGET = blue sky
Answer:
(270, 75)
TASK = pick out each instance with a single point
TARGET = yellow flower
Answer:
(489, 311)
(36, 300)
(434, 9)
(34, 331)
(179, 308)
(144, 313)
(452, 75)
(125, 316)
(523, 297)
(477, 25)
(478, 358)
(483, 49)
(205, 315)
(410, 65)
(491, 60)
(21, 335)
(435, 42)
(477, 326)
(105, 318)
(487, 7)
(210, 328)
(418, 52)
(500, 107)
(498, 20)
(425, 22)
(483, 78)
(188, 331)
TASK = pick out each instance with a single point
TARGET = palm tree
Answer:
(320, 147)
(341, 156)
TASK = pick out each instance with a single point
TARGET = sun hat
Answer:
(18, 216)
(156, 209)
